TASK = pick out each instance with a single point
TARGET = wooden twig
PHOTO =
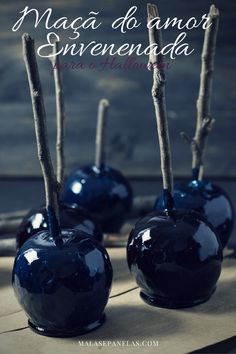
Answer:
(191, 141)
(100, 133)
(204, 121)
(41, 135)
(60, 114)
(158, 95)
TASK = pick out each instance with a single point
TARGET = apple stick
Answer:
(158, 95)
(51, 191)
(100, 133)
(204, 122)
(60, 114)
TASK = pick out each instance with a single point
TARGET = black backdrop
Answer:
(132, 141)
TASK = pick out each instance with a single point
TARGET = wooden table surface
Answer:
(128, 318)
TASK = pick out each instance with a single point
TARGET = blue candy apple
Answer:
(99, 188)
(208, 199)
(71, 217)
(175, 257)
(62, 286)
(104, 191)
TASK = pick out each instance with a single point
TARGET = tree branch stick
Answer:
(100, 133)
(60, 114)
(41, 134)
(158, 95)
(204, 122)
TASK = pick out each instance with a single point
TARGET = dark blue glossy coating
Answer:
(105, 192)
(207, 199)
(175, 258)
(71, 217)
(63, 290)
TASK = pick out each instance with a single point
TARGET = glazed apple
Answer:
(175, 257)
(71, 217)
(63, 289)
(104, 191)
(208, 199)
(61, 278)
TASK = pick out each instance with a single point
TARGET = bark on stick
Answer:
(158, 95)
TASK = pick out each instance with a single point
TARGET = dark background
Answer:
(132, 140)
